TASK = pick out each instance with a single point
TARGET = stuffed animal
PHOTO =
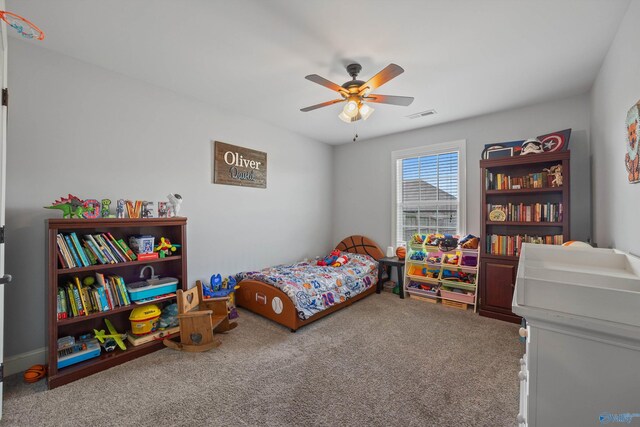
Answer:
(342, 260)
(329, 259)
(469, 242)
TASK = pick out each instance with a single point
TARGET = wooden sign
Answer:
(233, 165)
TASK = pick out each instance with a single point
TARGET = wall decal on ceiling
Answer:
(233, 165)
(631, 157)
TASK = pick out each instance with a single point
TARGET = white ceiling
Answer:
(461, 57)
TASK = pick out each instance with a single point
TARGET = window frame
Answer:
(431, 150)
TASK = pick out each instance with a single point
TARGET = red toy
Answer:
(329, 259)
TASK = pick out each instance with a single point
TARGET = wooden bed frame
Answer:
(270, 302)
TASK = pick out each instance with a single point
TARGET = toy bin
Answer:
(469, 260)
(434, 258)
(451, 259)
(152, 288)
(144, 320)
(460, 296)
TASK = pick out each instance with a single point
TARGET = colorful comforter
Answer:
(313, 288)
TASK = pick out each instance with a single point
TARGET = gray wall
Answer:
(617, 88)
(77, 128)
(362, 170)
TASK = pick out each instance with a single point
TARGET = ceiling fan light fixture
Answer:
(365, 111)
(351, 108)
(342, 116)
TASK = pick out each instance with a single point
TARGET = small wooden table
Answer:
(385, 264)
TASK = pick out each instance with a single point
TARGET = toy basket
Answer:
(448, 293)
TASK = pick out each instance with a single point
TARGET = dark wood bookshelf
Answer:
(497, 276)
(173, 266)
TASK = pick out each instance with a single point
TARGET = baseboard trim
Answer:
(22, 362)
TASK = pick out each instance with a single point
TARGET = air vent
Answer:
(422, 114)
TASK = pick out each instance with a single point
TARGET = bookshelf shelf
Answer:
(116, 265)
(104, 361)
(525, 191)
(525, 223)
(172, 266)
(101, 314)
(496, 280)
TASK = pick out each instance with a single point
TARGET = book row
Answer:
(104, 293)
(535, 212)
(100, 248)
(511, 245)
(500, 181)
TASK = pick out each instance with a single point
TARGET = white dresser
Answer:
(582, 360)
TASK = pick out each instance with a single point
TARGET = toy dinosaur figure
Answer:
(71, 206)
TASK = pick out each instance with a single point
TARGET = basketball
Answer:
(401, 252)
(35, 373)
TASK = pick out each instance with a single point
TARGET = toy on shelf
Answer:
(329, 259)
(432, 239)
(430, 273)
(447, 243)
(169, 317)
(144, 320)
(418, 255)
(556, 172)
(105, 210)
(165, 247)
(469, 242)
(92, 207)
(120, 208)
(134, 209)
(147, 209)
(71, 351)
(142, 244)
(152, 287)
(418, 239)
(118, 338)
(434, 259)
(175, 200)
(452, 259)
(71, 207)
(469, 260)
(459, 276)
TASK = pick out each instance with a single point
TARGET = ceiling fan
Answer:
(357, 93)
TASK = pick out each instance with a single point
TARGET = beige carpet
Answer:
(381, 362)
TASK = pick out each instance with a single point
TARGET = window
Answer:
(428, 191)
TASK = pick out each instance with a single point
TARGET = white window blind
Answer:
(427, 194)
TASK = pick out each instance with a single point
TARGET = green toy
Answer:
(70, 206)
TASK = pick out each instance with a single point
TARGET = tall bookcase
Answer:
(173, 266)
(498, 271)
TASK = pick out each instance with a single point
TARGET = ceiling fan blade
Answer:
(387, 73)
(389, 99)
(324, 82)
(324, 104)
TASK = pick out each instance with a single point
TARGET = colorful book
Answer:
(76, 257)
(127, 249)
(97, 252)
(118, 247)
(106, 249)
(78, 247)
(120, 257)
(83, 300)
(77, 297)
(102, 297)
(62, 244)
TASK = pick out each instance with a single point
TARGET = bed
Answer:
(298, 294)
